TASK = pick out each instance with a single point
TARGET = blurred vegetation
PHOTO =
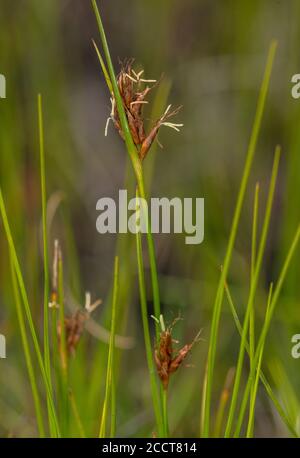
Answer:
(211, 55)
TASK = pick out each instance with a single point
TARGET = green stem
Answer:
(45, 255)
(165, 412)
(220, 290)
(252, 293)
(76, 414)
(111, 351)
(113, 406)
(27, 309)
(250, 427)
(154, 388)
(265, 329)
(133, 154)
(263, 379)
(253, 259)
(63, 351)
(26, 349)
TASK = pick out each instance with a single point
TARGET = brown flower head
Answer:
(134, 90)
(166, 359)
(75, 324)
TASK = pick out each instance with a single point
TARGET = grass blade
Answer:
(113, 406)
(110, 363)
(252, 293)
(76, 414)
(250, 427)
(154, 388)
(63, 373)
(253, 260)
(27, 355)
(224, 401)
(133, 154)
(220, 290)
(45, 254)
(265, 328)
(263, 379)
(104, 69)
(27, 309)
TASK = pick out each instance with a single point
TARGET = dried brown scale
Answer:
(178, 360)
(163, 357)
(147, 143)
(166, 360)
(129, 84)
(74, 327)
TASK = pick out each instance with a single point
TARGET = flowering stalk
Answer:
(127, 102)
(126, 115)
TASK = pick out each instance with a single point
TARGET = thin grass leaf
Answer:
(165, 412)
(110, 363)
(203, 402)
(263, 379)
(224, 398)
(113, 405)
(154, 388)
(265, 328)
(136, 163)
(253, 287)
(253, 260)
(250, 426)
(27, 309)
(76, 414)
(104, 69)
(285, 388)
(64, 376)
(241, 195)
(27, 355)
(45, 253)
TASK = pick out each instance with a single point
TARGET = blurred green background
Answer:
(211, 54)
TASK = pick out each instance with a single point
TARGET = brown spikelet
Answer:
(166, 359)
(134, 98)
(74, 327)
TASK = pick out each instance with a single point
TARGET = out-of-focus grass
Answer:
(212, 54)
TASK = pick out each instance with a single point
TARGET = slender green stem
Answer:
(63, 351)
(154, 388)
(252, 293)
(76, 414)
(203, 402)
(263, 379)
(265, 329)
(250, 427)
(254, 229)
(45, 254)
(27, 354)
(220, 290)
(165, 411)
(253, 259)
(57, 379)
(27, 309)
(113, 406)
(133, 153)
(110, 363)
(223, 402)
